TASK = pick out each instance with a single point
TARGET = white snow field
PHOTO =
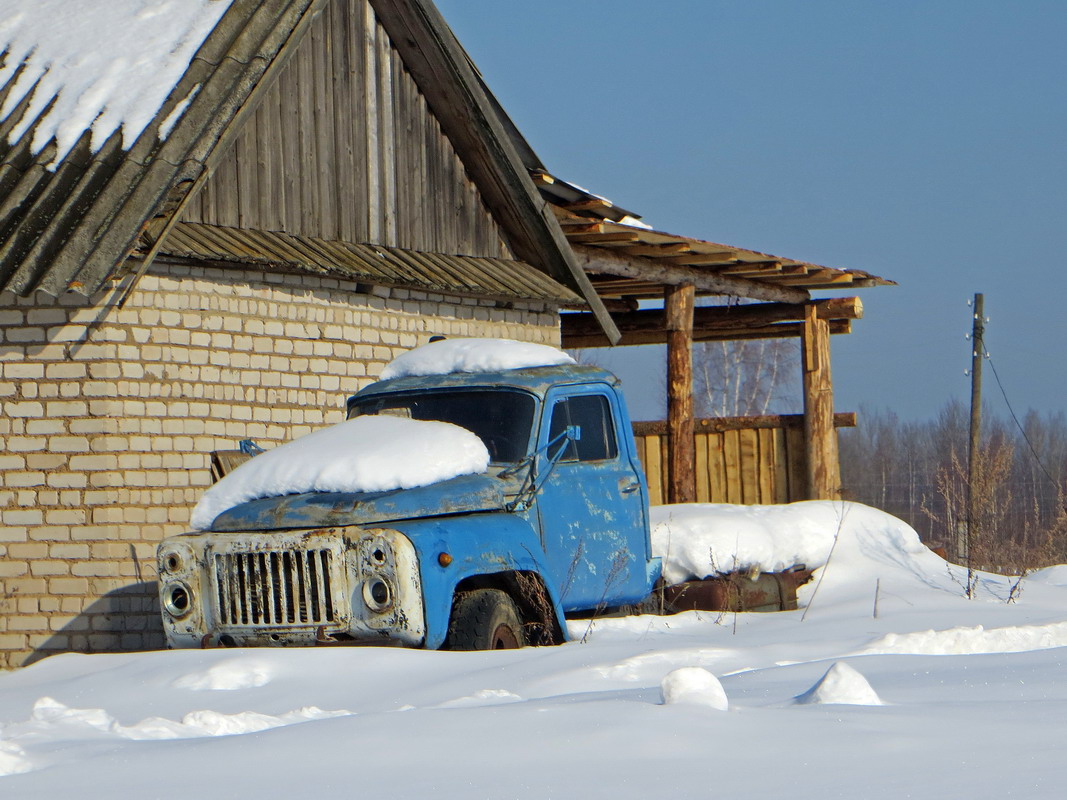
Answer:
(936, 697)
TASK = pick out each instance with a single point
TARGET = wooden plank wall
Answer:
(343, 147)
(744, 460)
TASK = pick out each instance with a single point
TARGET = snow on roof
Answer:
(365, 454)
(473, 355)
(109, 65)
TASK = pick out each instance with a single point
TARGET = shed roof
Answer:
(593, 223)
(492, 278)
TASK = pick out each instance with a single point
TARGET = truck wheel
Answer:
(485, 619)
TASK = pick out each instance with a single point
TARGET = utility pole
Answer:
(977, 354)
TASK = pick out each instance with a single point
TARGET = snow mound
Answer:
(841, 685)
(49, 716)
(971, 641)
(473, 355)
(365, 454)
(696, 540)
(51, 712)
(237, 673)
(97, 87)
(694, 686)
(1050, 576)
(482, 697)
(13, 759)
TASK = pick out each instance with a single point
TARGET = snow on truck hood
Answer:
(473, 355)
(365, 454)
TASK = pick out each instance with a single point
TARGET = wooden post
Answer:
(973, 465)
(678, 312)
(820, 438)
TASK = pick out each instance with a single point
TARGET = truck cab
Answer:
(558, 525)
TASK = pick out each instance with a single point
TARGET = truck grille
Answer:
(288, 587)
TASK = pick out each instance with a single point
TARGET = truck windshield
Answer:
(501, 418)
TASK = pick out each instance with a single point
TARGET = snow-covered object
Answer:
(972, 640)
(473, 355)
(842, 685)
(694, 686)
(696, 540)
(365, 454)
(109, 65)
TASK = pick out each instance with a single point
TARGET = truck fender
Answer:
(477, 550)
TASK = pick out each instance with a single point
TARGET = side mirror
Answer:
(574, 433)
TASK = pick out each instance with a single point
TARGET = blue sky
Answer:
(921, 141)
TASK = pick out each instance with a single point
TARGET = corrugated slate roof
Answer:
(375, 264)
(68, 227)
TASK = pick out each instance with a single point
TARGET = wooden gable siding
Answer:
(343, 147)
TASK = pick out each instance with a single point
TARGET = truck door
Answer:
(592, 508)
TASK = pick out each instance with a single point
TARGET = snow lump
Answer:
(694, 686)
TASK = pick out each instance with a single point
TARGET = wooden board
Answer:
(755, 464)
(344, 147)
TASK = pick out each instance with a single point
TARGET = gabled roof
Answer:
(71, 214)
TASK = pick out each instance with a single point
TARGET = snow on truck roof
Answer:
(449, 356)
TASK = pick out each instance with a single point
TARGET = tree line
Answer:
(918, 472)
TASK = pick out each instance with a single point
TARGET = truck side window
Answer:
(592, 414)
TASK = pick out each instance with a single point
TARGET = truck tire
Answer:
(485, 619)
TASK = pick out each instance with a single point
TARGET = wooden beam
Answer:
(779, 330)
(713, 323)
(486, 142)
(705, 259)
(597, 259)
(678, 304)
(589, 204)
(820, 438)
(844, 419)
(600, 238)
(657, 250)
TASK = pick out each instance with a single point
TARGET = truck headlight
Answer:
(171, 562)
(377, 594)
(177, 599)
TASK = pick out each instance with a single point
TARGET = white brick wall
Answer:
(108, 417)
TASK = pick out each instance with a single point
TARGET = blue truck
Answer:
(558, 526)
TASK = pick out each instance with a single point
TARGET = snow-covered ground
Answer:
(935, 697)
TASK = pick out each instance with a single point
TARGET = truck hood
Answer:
(463, 495)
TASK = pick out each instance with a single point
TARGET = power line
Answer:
(1011, 410)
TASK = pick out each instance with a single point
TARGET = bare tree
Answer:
(744, 378)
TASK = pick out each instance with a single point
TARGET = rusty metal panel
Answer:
(767, 591)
